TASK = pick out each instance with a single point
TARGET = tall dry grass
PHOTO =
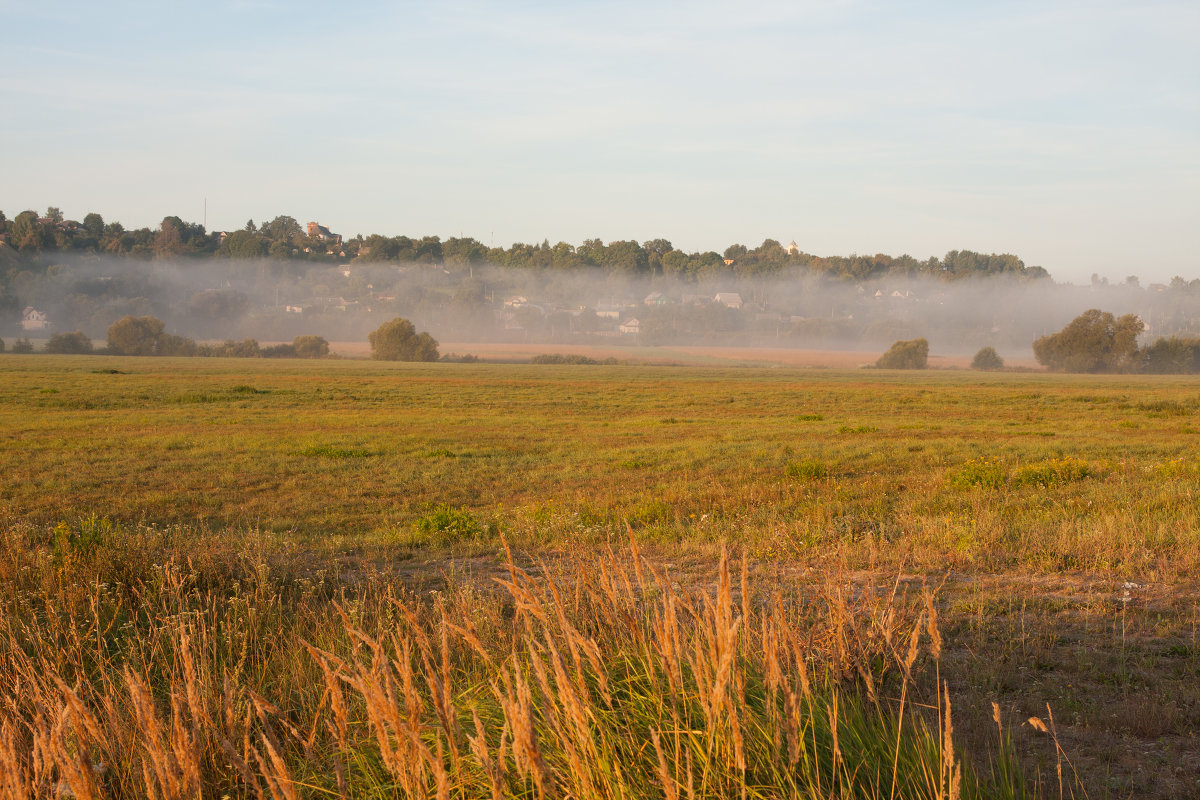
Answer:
(162, 666)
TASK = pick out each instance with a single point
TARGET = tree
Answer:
(145, 336)
(398, 340)
(135, 336)
(910, 354)
(988, 360)
(76, 343)
(1094, 341)
(243, 244)
(310, 346)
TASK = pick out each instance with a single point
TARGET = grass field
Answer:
(265, 526)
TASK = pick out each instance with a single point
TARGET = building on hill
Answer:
(792, 248)
(318, 231)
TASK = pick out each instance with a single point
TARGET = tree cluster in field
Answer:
(147, 336)
(1096, 341)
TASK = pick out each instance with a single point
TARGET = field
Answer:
(233, 574)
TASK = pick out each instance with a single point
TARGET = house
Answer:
(516, 301)
(318, 231)
(612, 308)
(792, 248)
(631, 326)
(33, 320)
(656, 299)
(728, 299)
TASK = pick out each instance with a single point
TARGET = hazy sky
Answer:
(1065, 132)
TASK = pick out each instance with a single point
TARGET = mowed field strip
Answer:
(962, 469)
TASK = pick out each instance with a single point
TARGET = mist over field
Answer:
(269, 300)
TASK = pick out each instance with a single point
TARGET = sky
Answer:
(1067, 133)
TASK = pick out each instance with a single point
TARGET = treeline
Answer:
(32, 237)
(147, 336)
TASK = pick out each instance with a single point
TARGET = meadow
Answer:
(285, 578)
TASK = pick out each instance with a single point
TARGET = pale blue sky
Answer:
(1065, 132)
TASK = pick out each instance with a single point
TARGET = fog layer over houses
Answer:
(272, 300)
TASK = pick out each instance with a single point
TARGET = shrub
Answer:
(1173, 356)
(278, 351)
(1, 345)
(398, 340)
(69, 343)
(910, 354)
(22, 345)
(310, 347)
(987, 359)
(247, 348)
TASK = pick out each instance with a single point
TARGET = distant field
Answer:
(1057, 514)
(690, 355)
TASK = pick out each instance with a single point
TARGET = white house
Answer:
(33, 320)
(729, 299)
(631, 326)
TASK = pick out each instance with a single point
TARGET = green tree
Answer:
(910, 354)
(146, 336)
(135, 336)
(93, 223)
(987, 359)
(398, 340)
(69, 343)
(243, 244)
(1094, 341)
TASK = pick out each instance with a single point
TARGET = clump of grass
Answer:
(333, 451)
(857, 429)
(652, 512)
(245, 388)
(1053, 472)
(807, 469)
(447, 524)
(810, 418)
(986, 472)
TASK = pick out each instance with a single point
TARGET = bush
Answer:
(988, 360)
(22, 345)
(278, 351)
(1173, 356)
(247, 348)
(398, 340)
(69, 343)
(910, 354)
(1094, 341)
(310, 347)
(1, 345)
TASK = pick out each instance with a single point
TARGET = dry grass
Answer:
(584, 678)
